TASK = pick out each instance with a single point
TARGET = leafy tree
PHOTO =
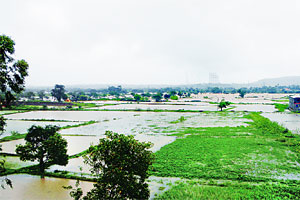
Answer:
(121, 164)
(29, 95)
(157, 97)
(216, 90)
(180, 94)
(4, 181)
(12, 73)
(59, 92)
(223, 104)
(174, 97)
(44, 145)
(241, 92)
(167, 96)
(137, 97)
(41, 94)
(172, 93)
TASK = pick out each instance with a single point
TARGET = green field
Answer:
(259, 153)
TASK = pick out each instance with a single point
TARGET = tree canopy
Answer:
(121, 163)
(59, 92)
(12, 73)
(44, 145)
(223, 104)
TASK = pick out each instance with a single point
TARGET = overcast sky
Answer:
(153, 41)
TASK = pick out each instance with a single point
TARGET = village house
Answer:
(294, 103)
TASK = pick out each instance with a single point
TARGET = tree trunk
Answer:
(42, 168)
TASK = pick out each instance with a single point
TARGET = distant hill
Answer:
(285, 81)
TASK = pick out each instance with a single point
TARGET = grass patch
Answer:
(181, 119)
(263, 151)
(193, 190)
(281, 107)
(12, 137)
(78, 125)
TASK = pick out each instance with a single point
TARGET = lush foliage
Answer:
(242, 92)
(12, 73)
(59, 92)
(281, 107)
(193, 190)
(223, 104)
(157, 97)
(121, 163)
(44, 145)
(249, 153)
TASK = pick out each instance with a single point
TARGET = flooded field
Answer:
(135, 122)
(254, 108)
(22, 126)
(249, 98)
(155, 127)
(288, 120)
(31, 187)
(34, 188)
(161, 106)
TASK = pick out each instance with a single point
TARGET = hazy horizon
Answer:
(153, 42)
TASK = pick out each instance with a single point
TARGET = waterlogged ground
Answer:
(22, 126)
(188, 145)
(136, 122)
(288, 120)
(34, 188)
(254, 108)
(162, 106)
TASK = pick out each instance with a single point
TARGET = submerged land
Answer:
(250, 150)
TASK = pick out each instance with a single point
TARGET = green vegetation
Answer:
(59, 92)
(120, 162)
(281, 107)
(12, 73)
(174, 97)
(44, 145)
(249, 153)
(280, 100)
(12, 137)
(223, 104)
(193, 190)
(181, 119)
(78, 125)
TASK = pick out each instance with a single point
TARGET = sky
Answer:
(154, 41)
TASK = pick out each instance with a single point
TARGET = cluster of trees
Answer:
(120, 161)
(12, 82)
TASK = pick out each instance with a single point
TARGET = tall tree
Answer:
(41, 94)
(157, 97)
(59, 92)
(121, 163)
(223, 104)
(12, 73)
(44, 145)
(241, 92)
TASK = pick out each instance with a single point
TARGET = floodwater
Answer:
(254, 108)
(31, 187)
(135, 122)
(249, 98)
(154, 123)
(161, 106)
(22, 126)
(288, 120)
(75, 165)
